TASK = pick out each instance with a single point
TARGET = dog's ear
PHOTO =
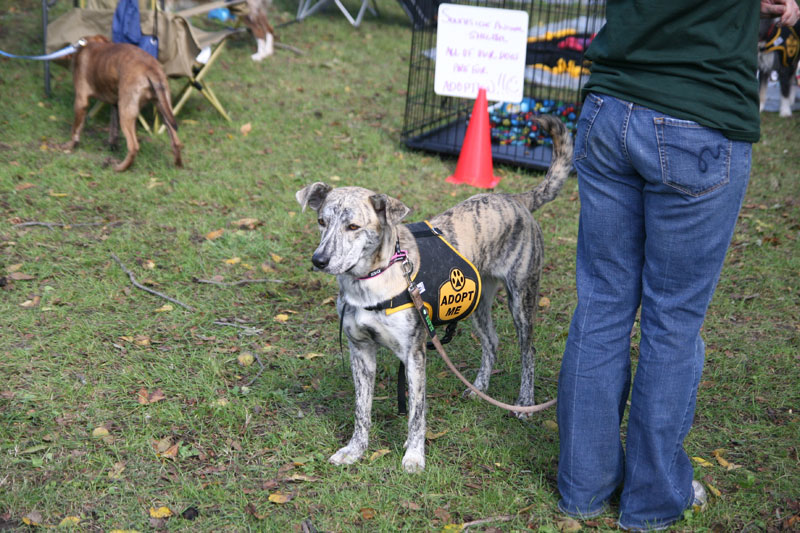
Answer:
(313, 195)
(390, 210)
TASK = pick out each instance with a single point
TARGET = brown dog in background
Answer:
(126, 77)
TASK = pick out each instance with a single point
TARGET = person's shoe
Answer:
(700, 496)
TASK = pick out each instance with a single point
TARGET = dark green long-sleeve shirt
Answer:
(692, 60)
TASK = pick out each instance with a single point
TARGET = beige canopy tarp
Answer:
(179, 42)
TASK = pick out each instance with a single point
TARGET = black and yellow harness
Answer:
(449, 283)
(786, 42)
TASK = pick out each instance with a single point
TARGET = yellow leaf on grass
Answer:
(718, 453)
(367, 513)
(702, 462)
(275, 257)
(216, 234)
(450, 528)
(713, 490)
(544, 302)
(233, 261)
(149, 264)
(14, 267)
(99, 432)
(552, 425)
(281, 318)
(310, 355)
(69, 521)
(125, 530)
(378, 454)
(246, 128)
(57, 194)
(245, 359)
(279, 497)
(430, 435)
(166, 308)
(161, 512)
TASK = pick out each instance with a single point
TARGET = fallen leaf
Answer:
(247, 223)
(301, 477)
(34, 518)
(161, 512)
(452, 527)
(161, 446)
(713, 490)
(702, 462)
(170, 453)
(142, 396)
(279, 497)
(309, 355)
(69, 521)
(116, 470)
(166, 308)
(378, 454)
(245, 359)
(29, 304)
(367, 513)
(99, 432)
(251, 510)
(23, 186)
(281, 318)
(14, 267)
(544, 302)
(275, 257)
(149, 264)
(552, 425)
(57, 194)
(721, 460)
(233, 261)
(217, 233)
(156, 396)
(568, 525)
(430, 435)
(20, 276)
(245, 129)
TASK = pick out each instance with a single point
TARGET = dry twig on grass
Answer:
(142, 287)
(235, 283)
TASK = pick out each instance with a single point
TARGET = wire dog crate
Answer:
(559, 31)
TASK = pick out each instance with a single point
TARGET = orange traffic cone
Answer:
(474, 165)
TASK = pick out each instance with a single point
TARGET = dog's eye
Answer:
(321, 222)
(353, 227)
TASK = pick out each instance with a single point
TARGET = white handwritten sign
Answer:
(481, 47)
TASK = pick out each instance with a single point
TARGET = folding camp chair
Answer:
(309, 7)
(183, 50)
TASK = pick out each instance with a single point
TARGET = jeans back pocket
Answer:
(694, 159)
(591, 107)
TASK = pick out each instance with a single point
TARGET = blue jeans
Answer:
(659, 200)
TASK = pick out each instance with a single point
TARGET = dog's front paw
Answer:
(347, 455)
(413, 461)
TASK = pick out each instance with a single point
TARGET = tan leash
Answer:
(413, 290)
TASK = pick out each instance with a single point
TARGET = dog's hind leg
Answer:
(522, 296)
(362, 363)
(483, 327)
(128, 111)
(113, 128)
(80, 107)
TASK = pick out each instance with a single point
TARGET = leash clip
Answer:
(80, 43)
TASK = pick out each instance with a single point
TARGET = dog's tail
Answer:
(560, 165)
(164, 104)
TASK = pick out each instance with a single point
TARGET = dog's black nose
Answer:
(320, 261)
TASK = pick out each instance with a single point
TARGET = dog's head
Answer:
(354, 223)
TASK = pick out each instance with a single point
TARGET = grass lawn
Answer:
(116, 403)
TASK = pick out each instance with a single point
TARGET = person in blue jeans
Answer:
(662, 152)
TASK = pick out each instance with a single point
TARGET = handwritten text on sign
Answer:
(481, 47)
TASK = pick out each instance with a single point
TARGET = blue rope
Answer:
(71, 49)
